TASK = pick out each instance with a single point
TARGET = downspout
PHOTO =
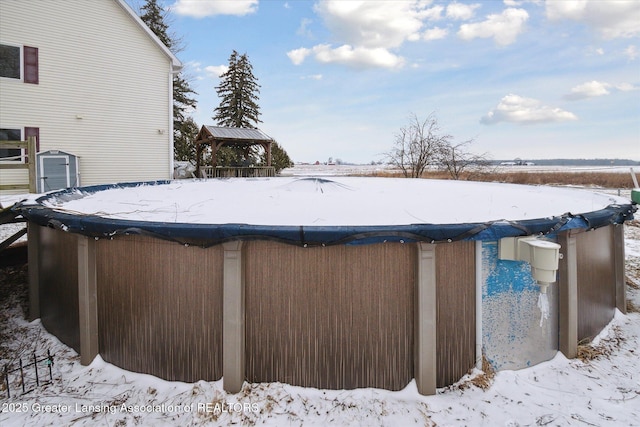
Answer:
(172, 72)
(479, 304)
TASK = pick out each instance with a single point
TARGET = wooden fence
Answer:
(30, 164)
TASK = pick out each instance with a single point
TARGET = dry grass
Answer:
(587, 351)
(485, 379)
(13, 291)
(589, 179)
(482, 380)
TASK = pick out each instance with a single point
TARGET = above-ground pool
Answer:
(330, 283)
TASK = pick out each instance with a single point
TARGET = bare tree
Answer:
(457, 159)
(418, 145)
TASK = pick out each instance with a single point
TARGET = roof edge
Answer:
(176, 64)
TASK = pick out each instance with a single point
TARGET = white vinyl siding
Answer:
(103, 92)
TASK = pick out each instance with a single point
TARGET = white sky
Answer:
(524, 78)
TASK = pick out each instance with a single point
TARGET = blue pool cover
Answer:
(205, 235)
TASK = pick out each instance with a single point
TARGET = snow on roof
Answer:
(340, 201)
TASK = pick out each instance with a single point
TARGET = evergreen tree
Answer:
(238, 92)
(184, 128)
(183, 144)
(153, 15)
(279, 158)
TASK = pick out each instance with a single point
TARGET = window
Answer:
(9, 61)
(10, 154)
(18, 62)
(10, 133)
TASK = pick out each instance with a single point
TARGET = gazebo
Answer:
(217, 136)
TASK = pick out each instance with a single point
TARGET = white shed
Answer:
(56, 170)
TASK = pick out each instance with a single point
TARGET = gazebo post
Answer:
(269, 153)
(198, 158)
(214, 154)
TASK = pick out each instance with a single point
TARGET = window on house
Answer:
(9, 61)
(19, 63)
(10, 154)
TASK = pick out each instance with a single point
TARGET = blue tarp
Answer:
(212, 234)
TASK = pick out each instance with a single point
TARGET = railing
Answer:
(237, 172)
(30, 145)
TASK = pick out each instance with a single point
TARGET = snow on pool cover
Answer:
(324, 211)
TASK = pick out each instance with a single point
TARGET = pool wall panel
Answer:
(330, 317)
(58, 289)
(160, 307)
(596, 281)
(514, 334)
(456, 311)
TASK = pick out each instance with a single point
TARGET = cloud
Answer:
(503, 28)
(303, 29)
(374, 24)
(595, 88)
(435, 33)
(432, 14)
(297, 56)
(368, 31)
(358, 57)
(611, 18)
(194, 65)
(216, 71)
(462, 12)
(588, 90)
(626, 87)
(520, 110)
(631, 52)
(204, 8)
(520, 2)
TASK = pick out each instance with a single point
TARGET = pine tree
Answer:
(183, 147)
(184, 128)
(153, 15)
(279, 158)
(238, 92)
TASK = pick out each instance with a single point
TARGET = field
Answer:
(593, 177)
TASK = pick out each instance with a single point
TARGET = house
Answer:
(87, 78)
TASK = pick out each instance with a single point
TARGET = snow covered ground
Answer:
(604, 391)
(338, 170)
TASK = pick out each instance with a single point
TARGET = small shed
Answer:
(56, 170)
(218, 136)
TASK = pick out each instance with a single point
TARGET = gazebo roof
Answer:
(232, 135)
